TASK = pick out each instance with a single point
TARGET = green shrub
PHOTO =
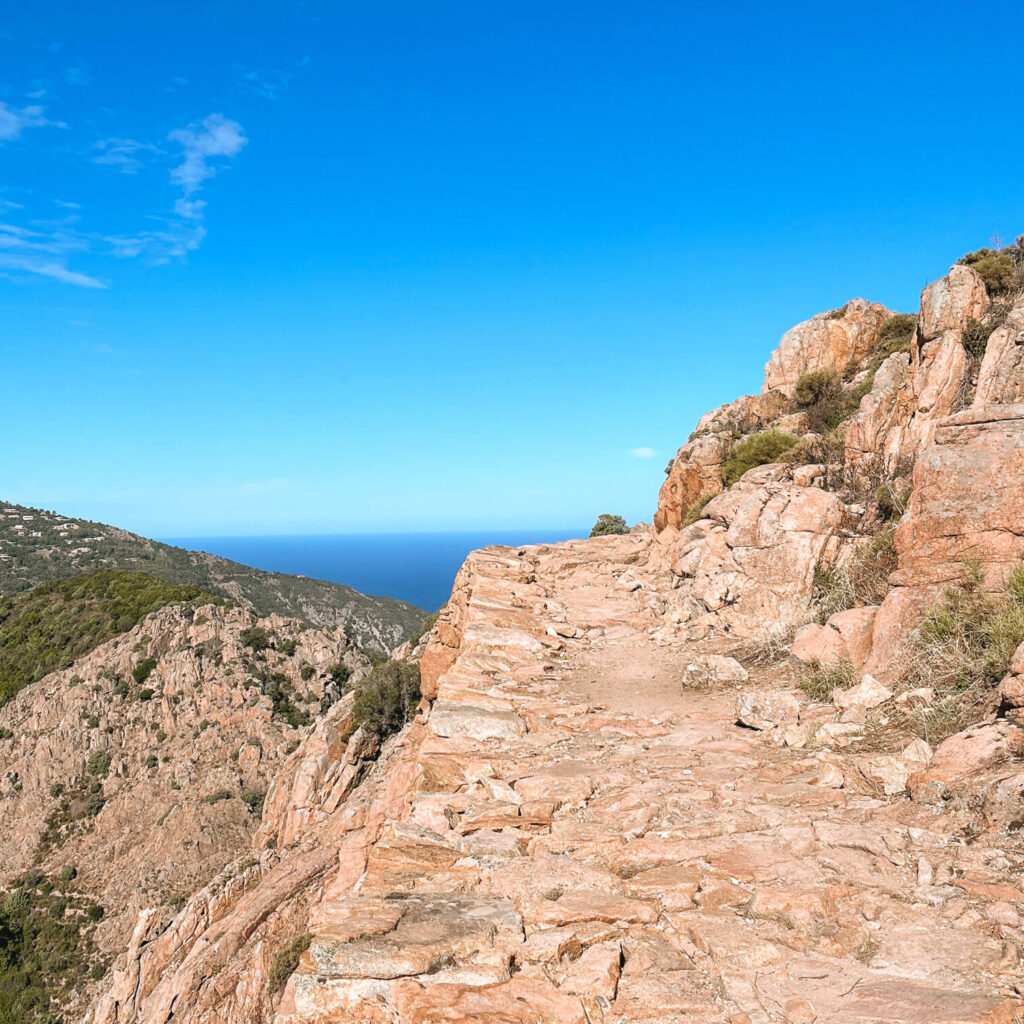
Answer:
(339, 672)
(996, 268)
(898, 327)
(44, 954)
(890, 501)
(95, 912)
(816, 385)
(819, 681)
(275, 685)
(428, 623)
(97, 971)
(386, 698)
(120, 689)
(895, 333)
(693, 513)
(255, 638)
(608, 525)
(144, 694)
(68, 873)
(151, 761)
(756, 450)
(289, 647)
(216, 797)
(819, 393)
(98, 764)
(253, 799)
(141, 671)
(306, 673)
(286, 959)
(52, 625)
(5, 733)
(1015, 585)
(975, 337)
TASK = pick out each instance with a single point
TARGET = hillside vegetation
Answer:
(48, 628)
(38, 547)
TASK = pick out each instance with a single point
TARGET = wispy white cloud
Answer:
(174, 239)
(44, 248)
(216, 136)
(14, 121)
(642, 453)
(125, 154)
(43, 253)
(42, 267)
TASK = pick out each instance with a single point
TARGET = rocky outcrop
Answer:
(828, 341)
(1001, 377)
(225, 955)
(751, 559)
(899, 416)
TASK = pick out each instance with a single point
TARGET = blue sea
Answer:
(416, 567)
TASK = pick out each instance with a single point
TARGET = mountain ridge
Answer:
(37, 546)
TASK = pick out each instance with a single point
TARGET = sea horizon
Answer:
(414, 566)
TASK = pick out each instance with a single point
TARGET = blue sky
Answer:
(317, 267)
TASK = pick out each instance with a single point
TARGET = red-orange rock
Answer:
(825, 342)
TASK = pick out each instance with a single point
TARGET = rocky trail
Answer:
(585, 845)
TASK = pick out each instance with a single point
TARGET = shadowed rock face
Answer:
(601, 815)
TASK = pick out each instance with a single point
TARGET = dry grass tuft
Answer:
(864, 580)
(962, 649)
(819, 680)
(770, 644)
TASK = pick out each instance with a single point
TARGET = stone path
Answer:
(551, 859)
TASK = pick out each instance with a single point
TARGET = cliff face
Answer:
(623, 799)
(148, 789)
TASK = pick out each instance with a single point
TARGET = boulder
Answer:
(713, 670)
(967, 755)
(947, 304)
(845, 637)
(1001, 377)
(819, 643)
(867, 694)
(696, 471)
(755, 563)
(767, 709)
